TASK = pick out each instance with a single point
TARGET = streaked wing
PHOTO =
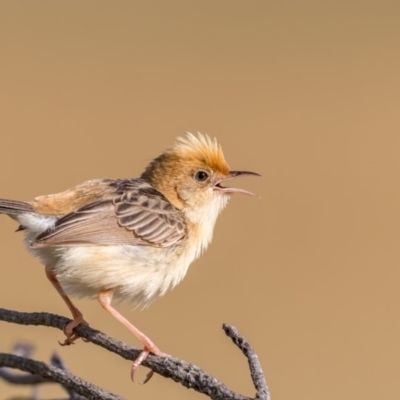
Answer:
(152, 218)
(137, 217)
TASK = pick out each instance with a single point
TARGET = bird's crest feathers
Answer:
(202, 148)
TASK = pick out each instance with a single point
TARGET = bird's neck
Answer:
(201, 223)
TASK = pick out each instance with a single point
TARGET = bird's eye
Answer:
(201, 176)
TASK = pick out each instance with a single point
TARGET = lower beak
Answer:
(230, 190)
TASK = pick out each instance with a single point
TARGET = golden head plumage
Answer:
(203, 149)
(173, 173)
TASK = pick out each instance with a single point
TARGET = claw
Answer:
(136, 364)
(71, 336)
(142, 356)
(69, 340)
(148, 377)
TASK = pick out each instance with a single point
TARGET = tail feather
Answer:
(12, 207)
(27, 217)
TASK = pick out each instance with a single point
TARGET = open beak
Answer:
(229, 190)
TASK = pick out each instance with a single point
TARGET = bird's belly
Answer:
(47, 255)
(137, 274)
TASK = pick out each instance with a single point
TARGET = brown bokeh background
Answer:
(307, 94)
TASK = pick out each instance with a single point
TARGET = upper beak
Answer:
(234, 174)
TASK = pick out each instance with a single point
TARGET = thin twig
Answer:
(256, 372)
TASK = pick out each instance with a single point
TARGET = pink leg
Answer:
(76, 314)
(105, 298)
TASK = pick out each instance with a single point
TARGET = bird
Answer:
(129, 239)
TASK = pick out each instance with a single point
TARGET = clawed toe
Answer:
(142, 356)
(71, 336)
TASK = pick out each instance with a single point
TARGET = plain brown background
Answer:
(305, 93)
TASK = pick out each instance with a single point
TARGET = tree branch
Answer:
(58, 375)
(25, 351)
(188, 375)
(256, 372)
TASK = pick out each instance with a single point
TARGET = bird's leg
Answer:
(76, 314)
(105, 298)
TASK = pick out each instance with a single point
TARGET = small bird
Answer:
(131, 239)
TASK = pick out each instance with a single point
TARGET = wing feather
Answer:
(135, 217)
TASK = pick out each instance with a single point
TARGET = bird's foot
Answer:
(71, 336)
(142, 356)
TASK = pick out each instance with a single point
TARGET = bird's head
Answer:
(191, 175)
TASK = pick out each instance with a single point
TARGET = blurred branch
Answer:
(51, 373)
(186, 374)
(25, 350)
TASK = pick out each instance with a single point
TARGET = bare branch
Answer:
(54, 374)
(57, 361)
(22, 349)
(188, 375)
(257, 374)
(21, 379)
(25, 350)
